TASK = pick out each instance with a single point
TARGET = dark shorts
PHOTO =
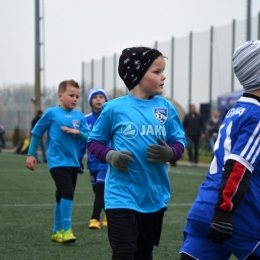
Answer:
(196, 244)
(65, 179)
(134, 233)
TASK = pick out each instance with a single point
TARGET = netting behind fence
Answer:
(188, 75)
(189, 78)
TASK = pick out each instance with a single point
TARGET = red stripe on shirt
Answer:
(231, 186)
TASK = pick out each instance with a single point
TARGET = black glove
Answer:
(220, 232)
(81, 168)
(119, 159)
(159, 153)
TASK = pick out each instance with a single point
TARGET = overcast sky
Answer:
(81, 30)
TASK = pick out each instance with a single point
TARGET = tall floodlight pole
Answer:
(248, 37)
(37, 65)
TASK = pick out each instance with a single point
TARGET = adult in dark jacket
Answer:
(194, 127)
(2, 132)
(41, 144)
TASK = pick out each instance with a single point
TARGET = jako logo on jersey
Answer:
(161, 114)
(76, 123)
(130, 130)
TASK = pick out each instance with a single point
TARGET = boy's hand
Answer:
(119, 159)
(219, 232)
(31, 162)
(81, 167)
(70, 130)
(159, 153)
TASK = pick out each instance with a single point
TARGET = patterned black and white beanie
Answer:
(246, 65)
(134, 62)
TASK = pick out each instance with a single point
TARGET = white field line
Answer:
(175, 171)
(77, 205)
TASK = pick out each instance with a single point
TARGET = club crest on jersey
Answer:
(161, 114)
(76, 124)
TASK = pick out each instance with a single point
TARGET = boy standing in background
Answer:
(64, 126)
(97, 170)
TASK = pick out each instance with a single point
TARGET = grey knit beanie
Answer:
(246, 65)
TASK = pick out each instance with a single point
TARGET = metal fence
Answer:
(198, 68)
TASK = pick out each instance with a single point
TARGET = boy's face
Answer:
(69, 98)
(97, 102)
(153, 80)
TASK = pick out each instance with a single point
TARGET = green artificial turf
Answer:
(27, 205)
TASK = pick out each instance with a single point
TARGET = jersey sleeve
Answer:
(234, 184)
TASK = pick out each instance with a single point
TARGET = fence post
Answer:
(83, 87)
(248, 20)
(115, 75)
(92, 73)
(190, 68)
(103, 72)
(233, 48)
(172, 69)
(156, 45)
(211, 65)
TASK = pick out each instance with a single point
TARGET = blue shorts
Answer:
(97, 177)
(196, 244)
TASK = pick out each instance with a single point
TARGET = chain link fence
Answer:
(198, 68)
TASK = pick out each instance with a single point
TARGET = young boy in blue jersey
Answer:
(224, 219)
(97, 170)
(64, 126)
(145, 132)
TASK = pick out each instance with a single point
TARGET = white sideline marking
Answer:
(78, 205)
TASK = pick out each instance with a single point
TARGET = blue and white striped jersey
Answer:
(238, 140)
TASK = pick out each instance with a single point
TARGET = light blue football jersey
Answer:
(62, 148)
(132, 125)
(238, 139)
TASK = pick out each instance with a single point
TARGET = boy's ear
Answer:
(59, 95)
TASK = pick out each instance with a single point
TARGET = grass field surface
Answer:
(27, 205)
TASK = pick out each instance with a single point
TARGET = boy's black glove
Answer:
(119, 159)
(220, 232)
(81, 168)
(159, 153)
